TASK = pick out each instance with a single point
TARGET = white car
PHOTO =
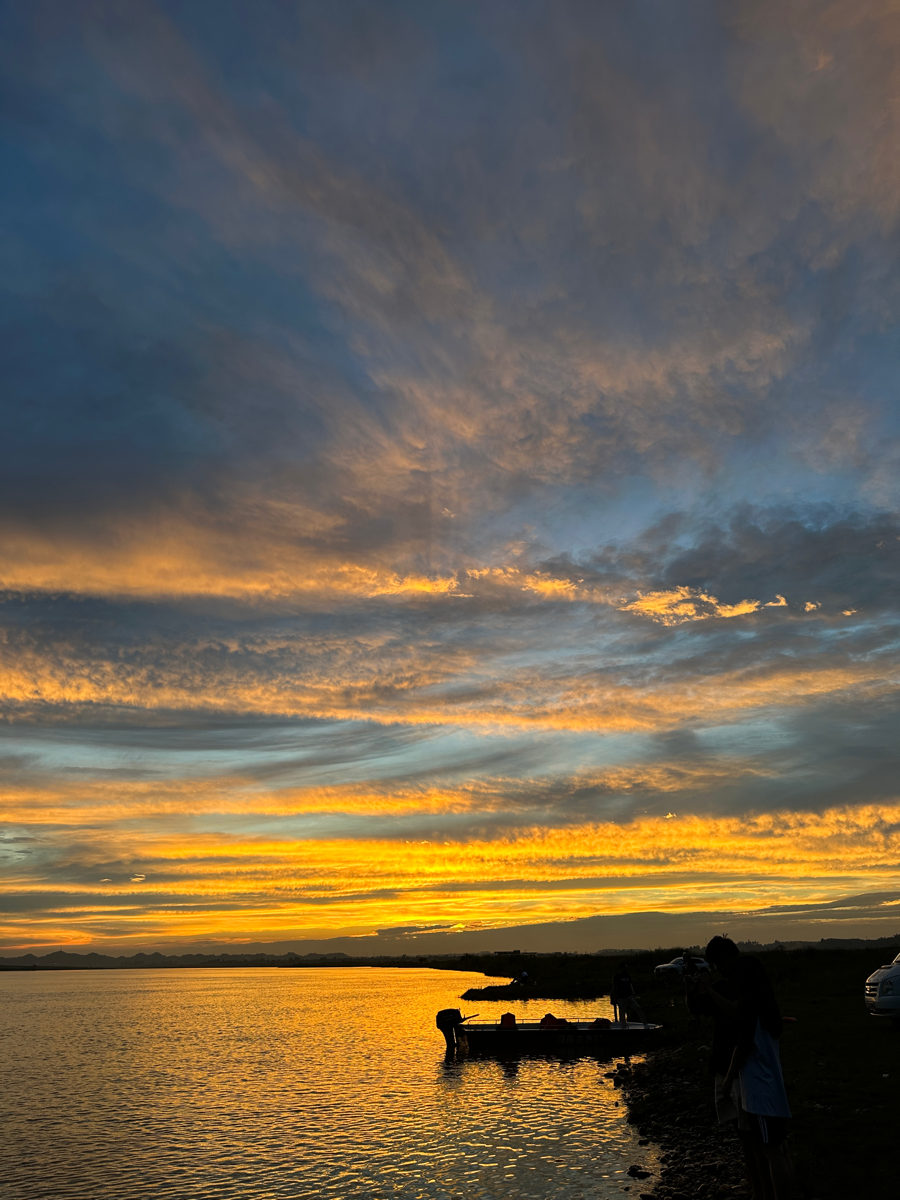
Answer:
(883, 992)
(675, 968)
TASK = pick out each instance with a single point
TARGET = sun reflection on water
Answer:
(290, 1083)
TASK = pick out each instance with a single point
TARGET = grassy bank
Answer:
(842, 1069)
(550, 977)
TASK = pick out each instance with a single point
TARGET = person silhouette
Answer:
(756, 1067)
(748, 1082)
(623, 998)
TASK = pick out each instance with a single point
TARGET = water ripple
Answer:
(129, 1085)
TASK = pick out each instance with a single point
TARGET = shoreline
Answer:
(700, 1159)
(667, 1094)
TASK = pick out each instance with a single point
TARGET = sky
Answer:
(450, 472)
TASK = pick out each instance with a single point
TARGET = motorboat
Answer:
(550, 1034)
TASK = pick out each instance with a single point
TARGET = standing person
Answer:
(756, 1069)
(720, 1001)
(623, 998)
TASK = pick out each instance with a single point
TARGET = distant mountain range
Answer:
(69, 960)
(64, 959)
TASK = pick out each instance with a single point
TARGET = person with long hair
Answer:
(749, 1086)
(756, 1069)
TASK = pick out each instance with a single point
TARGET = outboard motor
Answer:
(449, 1022)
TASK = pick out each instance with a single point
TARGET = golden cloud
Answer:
(372, 678)
(677, 605)
(204, 884)
(177, 556)
(52, 801)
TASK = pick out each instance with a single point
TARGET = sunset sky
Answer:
(450, 469)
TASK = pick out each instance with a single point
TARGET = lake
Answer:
(259, 1082)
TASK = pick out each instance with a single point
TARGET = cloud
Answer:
(429, 371)
(685, 604)
(230, 885)
(822, 78)
(446, 425)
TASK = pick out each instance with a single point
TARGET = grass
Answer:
(842, 1068)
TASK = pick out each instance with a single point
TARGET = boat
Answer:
(550, 1035)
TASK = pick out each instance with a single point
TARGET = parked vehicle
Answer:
(883, 992)
(675, 968)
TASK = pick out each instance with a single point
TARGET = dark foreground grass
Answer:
(842, 1068)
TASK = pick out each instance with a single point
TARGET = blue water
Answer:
(259, 1083)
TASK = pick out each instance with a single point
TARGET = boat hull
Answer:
(535, 1039)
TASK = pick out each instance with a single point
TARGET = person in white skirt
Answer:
(754, 1078)
(720, 1000)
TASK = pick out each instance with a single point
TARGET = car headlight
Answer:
(887, 988)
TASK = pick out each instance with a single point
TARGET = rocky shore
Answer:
(669, 1098)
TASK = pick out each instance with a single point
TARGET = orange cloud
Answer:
(370, 677)
(677, 605)
(205, 884)
(100, 801)
(177, 556)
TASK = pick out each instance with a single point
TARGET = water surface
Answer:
(258, 1083)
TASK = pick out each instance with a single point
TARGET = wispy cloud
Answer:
(440, 443)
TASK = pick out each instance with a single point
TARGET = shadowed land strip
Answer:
(841, 1071)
